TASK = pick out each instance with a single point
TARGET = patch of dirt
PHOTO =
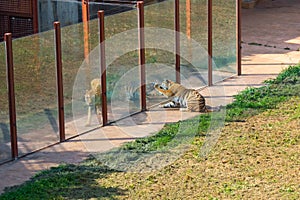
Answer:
(255, 159)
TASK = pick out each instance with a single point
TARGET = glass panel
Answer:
(74, 50)
(35, 87)
(121, 60)
(82, 68)
(160, 15)
(224, 39)
(160, 44)
(160, 51)
(5, 148)
(193, 49)
(193, 20)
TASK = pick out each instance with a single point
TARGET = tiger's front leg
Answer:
(98, 104)
(172, 104)
(89, 119)
(88, 101)
(98, 109)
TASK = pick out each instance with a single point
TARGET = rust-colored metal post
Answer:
(177, 40)
(85, 19)
(210, 48)
(85, 26)
(35, 16)
(59, 79)
(188, 18)
(102, 66)
(11, 95)
(238, 37)
(188, 11)
(141, 34)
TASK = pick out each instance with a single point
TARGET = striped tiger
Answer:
(183, 98)
(95, 92)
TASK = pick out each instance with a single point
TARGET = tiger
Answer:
(96, 92)
(186, 99)
(131, 92)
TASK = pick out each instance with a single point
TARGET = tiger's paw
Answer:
(165, 106)
(184, 110)
(161, 106)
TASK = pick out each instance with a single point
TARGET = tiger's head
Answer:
(166, 84)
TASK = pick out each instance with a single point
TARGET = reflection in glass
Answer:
(35, 88)
(5, 148)
(224, 39)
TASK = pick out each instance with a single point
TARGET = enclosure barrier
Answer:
(11, 95)
(210, 40)
(239, 37)
(102, 66)
(142, 61)
(177, 41)
(59, 79)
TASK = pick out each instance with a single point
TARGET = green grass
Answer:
(254, 100)
(196, 125)
(79, 181)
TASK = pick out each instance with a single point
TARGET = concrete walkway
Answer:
(271, 36)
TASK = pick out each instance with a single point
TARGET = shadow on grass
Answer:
(66, 181)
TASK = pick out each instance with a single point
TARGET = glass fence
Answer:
(73, 56)
(160, 47)
(35, 67)
(224, 39)
(35, 89)
(193, 43)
